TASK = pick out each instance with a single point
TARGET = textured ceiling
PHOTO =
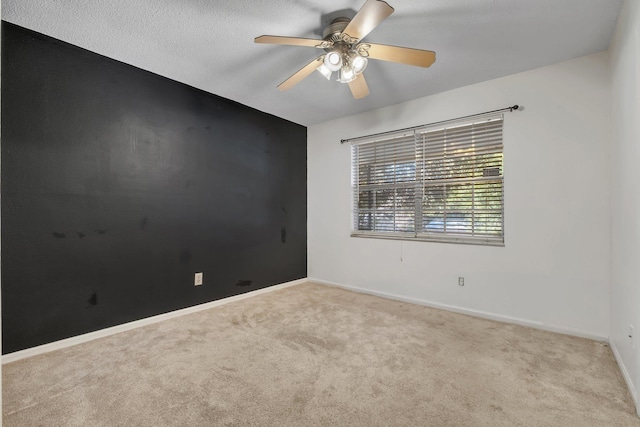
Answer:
(209, 44)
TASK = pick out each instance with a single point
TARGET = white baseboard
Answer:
(470, 312)
(68, 342)
(625, 374)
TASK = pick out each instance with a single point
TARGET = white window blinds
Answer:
(436, 183)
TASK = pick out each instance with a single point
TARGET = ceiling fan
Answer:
(346, 54)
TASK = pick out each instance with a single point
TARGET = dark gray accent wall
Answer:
(118, 185)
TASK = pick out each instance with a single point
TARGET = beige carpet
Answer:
(316, 355)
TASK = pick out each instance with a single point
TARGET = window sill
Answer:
(464, 240)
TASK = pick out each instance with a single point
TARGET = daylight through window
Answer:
(436, 183)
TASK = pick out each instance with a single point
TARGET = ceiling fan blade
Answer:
(404, 55)
(372, 13)
(293, 41)
(301, 74)
(359, 88)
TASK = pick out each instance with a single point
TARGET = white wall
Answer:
(0, 262)
(554, 269)
(625, 194)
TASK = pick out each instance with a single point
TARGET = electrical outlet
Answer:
(197, 281)
(460, 281)
(633, 341)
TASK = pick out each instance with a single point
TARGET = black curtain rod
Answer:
(509, 109)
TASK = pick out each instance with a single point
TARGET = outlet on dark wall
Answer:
(118, 185)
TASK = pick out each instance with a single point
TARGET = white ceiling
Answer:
(209, 44)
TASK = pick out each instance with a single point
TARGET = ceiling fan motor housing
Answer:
(333, 31)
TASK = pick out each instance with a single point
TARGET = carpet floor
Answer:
(317, 355)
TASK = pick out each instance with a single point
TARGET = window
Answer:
(436, 183)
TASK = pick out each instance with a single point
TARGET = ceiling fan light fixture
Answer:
(359, 63)
(326, 72)
(347, 74)
(333, 61)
